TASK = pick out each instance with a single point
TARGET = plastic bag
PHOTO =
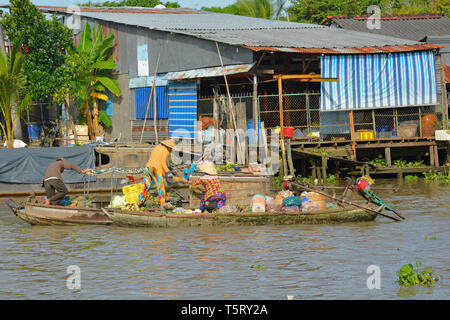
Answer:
(285, 194)
(294, 209)
(310, 206)
(227, 210)
(274, 207)
(292, 202)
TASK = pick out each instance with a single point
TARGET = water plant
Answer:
(434, 175)
(408, 275)
(400, 163)
(259, 266)
(379, 162)
(410, 177)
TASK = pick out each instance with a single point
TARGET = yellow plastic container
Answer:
(132, 191)
(365, 135)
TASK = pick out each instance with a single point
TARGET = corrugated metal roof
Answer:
(355, 50)
(248, 31)
(195, 21)
(208, 72)
(411, 27)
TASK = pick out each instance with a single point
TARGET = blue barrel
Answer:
(33, 132)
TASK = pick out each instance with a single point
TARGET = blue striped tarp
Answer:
(371, 81)
(162, 102)
(183, 109)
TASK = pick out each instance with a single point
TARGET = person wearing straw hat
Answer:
(155, 170)
(210, 181)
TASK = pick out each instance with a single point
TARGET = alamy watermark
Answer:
(73, 281)
(374, 21)
(374, 280)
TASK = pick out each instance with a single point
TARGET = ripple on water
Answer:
(306, 261)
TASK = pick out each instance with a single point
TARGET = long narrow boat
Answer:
(158, 219)
(41, 214)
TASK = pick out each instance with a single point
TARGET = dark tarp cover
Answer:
(28, 165)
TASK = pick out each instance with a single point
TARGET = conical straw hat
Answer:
(168, 143)
(208, 167)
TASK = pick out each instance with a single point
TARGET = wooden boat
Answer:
(157, 218)
(41, 214)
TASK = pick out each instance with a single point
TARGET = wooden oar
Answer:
(315, 189)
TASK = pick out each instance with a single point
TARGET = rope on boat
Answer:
(114, 170)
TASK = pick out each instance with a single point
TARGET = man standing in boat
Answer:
(53, 183)
(155, 170)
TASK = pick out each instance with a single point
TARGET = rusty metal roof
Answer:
(355, 50)
(208, 72)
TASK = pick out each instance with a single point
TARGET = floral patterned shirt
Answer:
(211, 183)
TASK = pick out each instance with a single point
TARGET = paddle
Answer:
(315, 189)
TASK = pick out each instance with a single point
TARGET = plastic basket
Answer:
(132, 191)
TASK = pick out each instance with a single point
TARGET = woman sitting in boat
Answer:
(53, 183)
(155, 170)
(210, 181)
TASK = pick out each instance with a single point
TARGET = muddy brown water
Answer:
(305, 261)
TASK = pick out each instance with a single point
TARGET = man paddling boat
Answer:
(53, 183)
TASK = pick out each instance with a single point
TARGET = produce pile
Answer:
(151, 202)
(227, 167)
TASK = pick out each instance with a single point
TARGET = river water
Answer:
(304, 261)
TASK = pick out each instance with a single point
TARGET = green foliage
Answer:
(430, 238)
(45, 42)
(436, 176)
(266, 9)
(104, 119)
(317, 11)
(259, 266)
(90, 66)
(411, 178)
(13, 98)
(227, 167)
(379, 162)
(410, 276)
(131, 3)
(400, 163)
(320, 151)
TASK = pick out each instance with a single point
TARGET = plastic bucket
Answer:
(131, 192)
(288, 132)
(33, 132)
(258, 203)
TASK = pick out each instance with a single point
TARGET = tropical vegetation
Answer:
(45, 43)
(90, 68)
(408, 275)
(13, 98)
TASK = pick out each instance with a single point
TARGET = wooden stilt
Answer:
(289, 157)
(431, 151)
(436, 156)
(324, 170)
(387, 154)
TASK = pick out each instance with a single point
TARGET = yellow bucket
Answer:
(132, 191)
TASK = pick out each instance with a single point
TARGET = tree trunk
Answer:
(95, 119)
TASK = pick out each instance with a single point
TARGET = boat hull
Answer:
(39, 214)
(161, 220)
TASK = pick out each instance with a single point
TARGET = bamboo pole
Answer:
(149, 99)
(352, 133)
(341, 201)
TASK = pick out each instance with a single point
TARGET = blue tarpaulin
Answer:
(28, 165)
(372, 81)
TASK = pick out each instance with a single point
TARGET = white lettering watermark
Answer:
(374, 21)
(234, 145)
(73, 281)
(73, 20)
(374, 280)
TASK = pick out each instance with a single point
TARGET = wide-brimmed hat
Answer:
(168, 143)
(207, 167)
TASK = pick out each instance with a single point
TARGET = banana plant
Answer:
(94, 70)
(13, 101)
